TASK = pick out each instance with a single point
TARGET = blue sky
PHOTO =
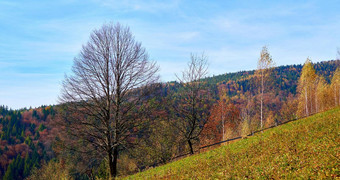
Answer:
(39, 39)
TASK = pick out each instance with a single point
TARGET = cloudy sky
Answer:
(39, 39)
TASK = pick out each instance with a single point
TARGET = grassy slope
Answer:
(301, 149)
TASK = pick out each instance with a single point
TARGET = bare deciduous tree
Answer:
(192, 105)
(104, 96)
(264, 66)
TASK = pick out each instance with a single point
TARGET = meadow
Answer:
(304, 149)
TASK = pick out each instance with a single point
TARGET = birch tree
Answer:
(306, 85)
(335, 85)
(321, 94)
(264, 67)
(111, 79)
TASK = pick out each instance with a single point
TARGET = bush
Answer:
(245, 129)
(54, 170)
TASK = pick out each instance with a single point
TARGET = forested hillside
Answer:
(25, 140)
(284, 79)
(30, 137)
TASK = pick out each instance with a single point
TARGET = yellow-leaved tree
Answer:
(322, 95)
(306, 86)
(335, 85)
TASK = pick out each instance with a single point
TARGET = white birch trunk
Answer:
(223, 138)
(262, 87)
(306, 101)
(316, 101)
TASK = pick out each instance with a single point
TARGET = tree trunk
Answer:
(111, 165)
(316, 102)
(335, 96)
(339, 97)
(306, 102)
(262, 88)
(190, 146)
(113, 157)
(115, 160)
(223, 121)
(310, 100)
(261, 112)
(223, 138)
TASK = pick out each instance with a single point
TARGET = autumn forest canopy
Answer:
(115, 118)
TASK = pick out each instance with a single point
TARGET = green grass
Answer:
(304, 149)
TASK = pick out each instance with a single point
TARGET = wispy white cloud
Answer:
(150, 6)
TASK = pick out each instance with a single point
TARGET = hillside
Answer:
(306, 148)
(25, 140)
(28, 136)
(284, 79)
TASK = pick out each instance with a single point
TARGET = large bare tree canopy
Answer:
(112, 77)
